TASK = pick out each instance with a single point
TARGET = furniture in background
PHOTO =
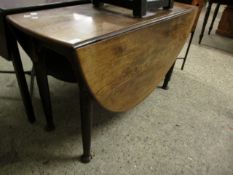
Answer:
(199, 4)
(139, 7)
(8, 45)
(210, 3)
(104, 55)
(225, 26)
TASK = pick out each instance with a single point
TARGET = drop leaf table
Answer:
(116, 59)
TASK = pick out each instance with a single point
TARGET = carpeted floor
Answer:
(185, 130)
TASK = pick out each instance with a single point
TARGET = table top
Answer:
(80, 25)
(121, 58)
(16, 6)
(9, 5)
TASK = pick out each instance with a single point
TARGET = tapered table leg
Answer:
(32, 81)
(205, 21)
(43, 86)
(86, 109)
(22, 82)
(187, 50)
(42, 82)
(168, 77)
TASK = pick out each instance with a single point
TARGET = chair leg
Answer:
(187, 51)
(22, 83)
(205, 21)
(214, 17)
(168, 78)
(86, 109)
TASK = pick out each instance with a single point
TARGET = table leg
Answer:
(43, 86)
(187, 51)
(22, 82)
(40, 69)
(86, 109)
(205, 21)
(32, 81)
(168, 78)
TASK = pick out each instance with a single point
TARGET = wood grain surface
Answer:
(83, 24)
(199, 4)
(122, 59)
(125, 69)
(8, 7)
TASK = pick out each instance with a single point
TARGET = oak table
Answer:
(117, 60)
(8, 46)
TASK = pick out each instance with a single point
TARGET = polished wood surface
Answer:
(119, 70)
(199, 4)
(116, 59)
(15, 6)
(123, 70)
(9, 5)
(81, 25)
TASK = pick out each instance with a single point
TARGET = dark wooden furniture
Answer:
(199, 4)
(225, 26)
(102, 50)
(210, 3)
(139, 7)
(8, 46)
